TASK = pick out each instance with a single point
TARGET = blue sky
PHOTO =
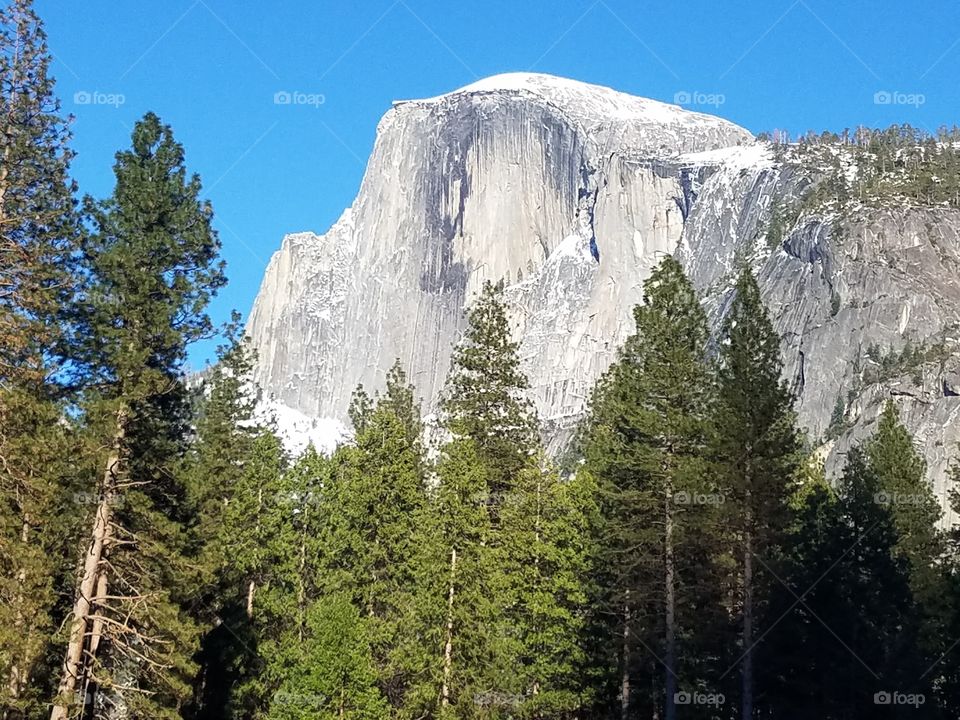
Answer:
(212, 68)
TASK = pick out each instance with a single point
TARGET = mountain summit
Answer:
(569, 193)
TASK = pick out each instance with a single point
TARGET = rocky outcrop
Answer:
(514, 177)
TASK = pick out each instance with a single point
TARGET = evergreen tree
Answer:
(373, 505)
(38, 503)
(916, 513)
(286, 559)
(880, 625)
(150, 267)
(484, 396)
(541, 565)
(257, 533)
(757, 452)
(453, 612)
(645, 442)
(846, 626)
(330, 672)
(39, 226)
(39, 232)
(801, 666)
(399, 398)
(946, 668)
(220, 454)
(921, 545)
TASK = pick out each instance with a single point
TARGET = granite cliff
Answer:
(524, 178)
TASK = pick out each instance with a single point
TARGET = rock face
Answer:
(519, 178)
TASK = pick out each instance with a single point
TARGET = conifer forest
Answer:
(164, 556)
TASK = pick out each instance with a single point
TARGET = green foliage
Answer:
(152, 261)
(894, 165)
(40, 498)
(218, 580)
(483, 399)
(454, 604)
(757, 456)
(543, 555)
(329, 671)
(645, 442)
(901, 475)
(373, 504)
(149, 268)
(837, 418)
(39, 225)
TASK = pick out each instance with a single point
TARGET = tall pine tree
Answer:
(757, 451)
(39, 232)
(484, 396)
(645, 441)
(151, 265)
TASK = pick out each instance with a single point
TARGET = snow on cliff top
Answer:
(756, 155)
(595, 101)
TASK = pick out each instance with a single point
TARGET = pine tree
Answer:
(880, 625)
(645, 442)
(373, 505)
(39, 503)
(947, 669)
(222, 449)
(39, 231)
(150, 267)
(399, 398)
(846, 622)
(258, 533)
(330, 671)
(484, 396)
(916, 512)
(757, 452)
(453, 613)
(921, 544)
(39, 227)
(541, 564)
(800, 665)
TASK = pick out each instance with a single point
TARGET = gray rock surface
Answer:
(512, 177)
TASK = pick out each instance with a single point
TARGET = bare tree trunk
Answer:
(670, 659)
(301, 589)
(251, 591)
(76, 662)
(448, 647)
(20, 668)
(625, 652)
(747, 665)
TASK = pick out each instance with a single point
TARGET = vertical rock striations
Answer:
(524, 178)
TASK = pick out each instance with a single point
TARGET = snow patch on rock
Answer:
(298, 431)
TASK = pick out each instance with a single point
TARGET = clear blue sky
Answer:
(211, 69)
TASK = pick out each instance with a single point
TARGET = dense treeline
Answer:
(161, 556)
